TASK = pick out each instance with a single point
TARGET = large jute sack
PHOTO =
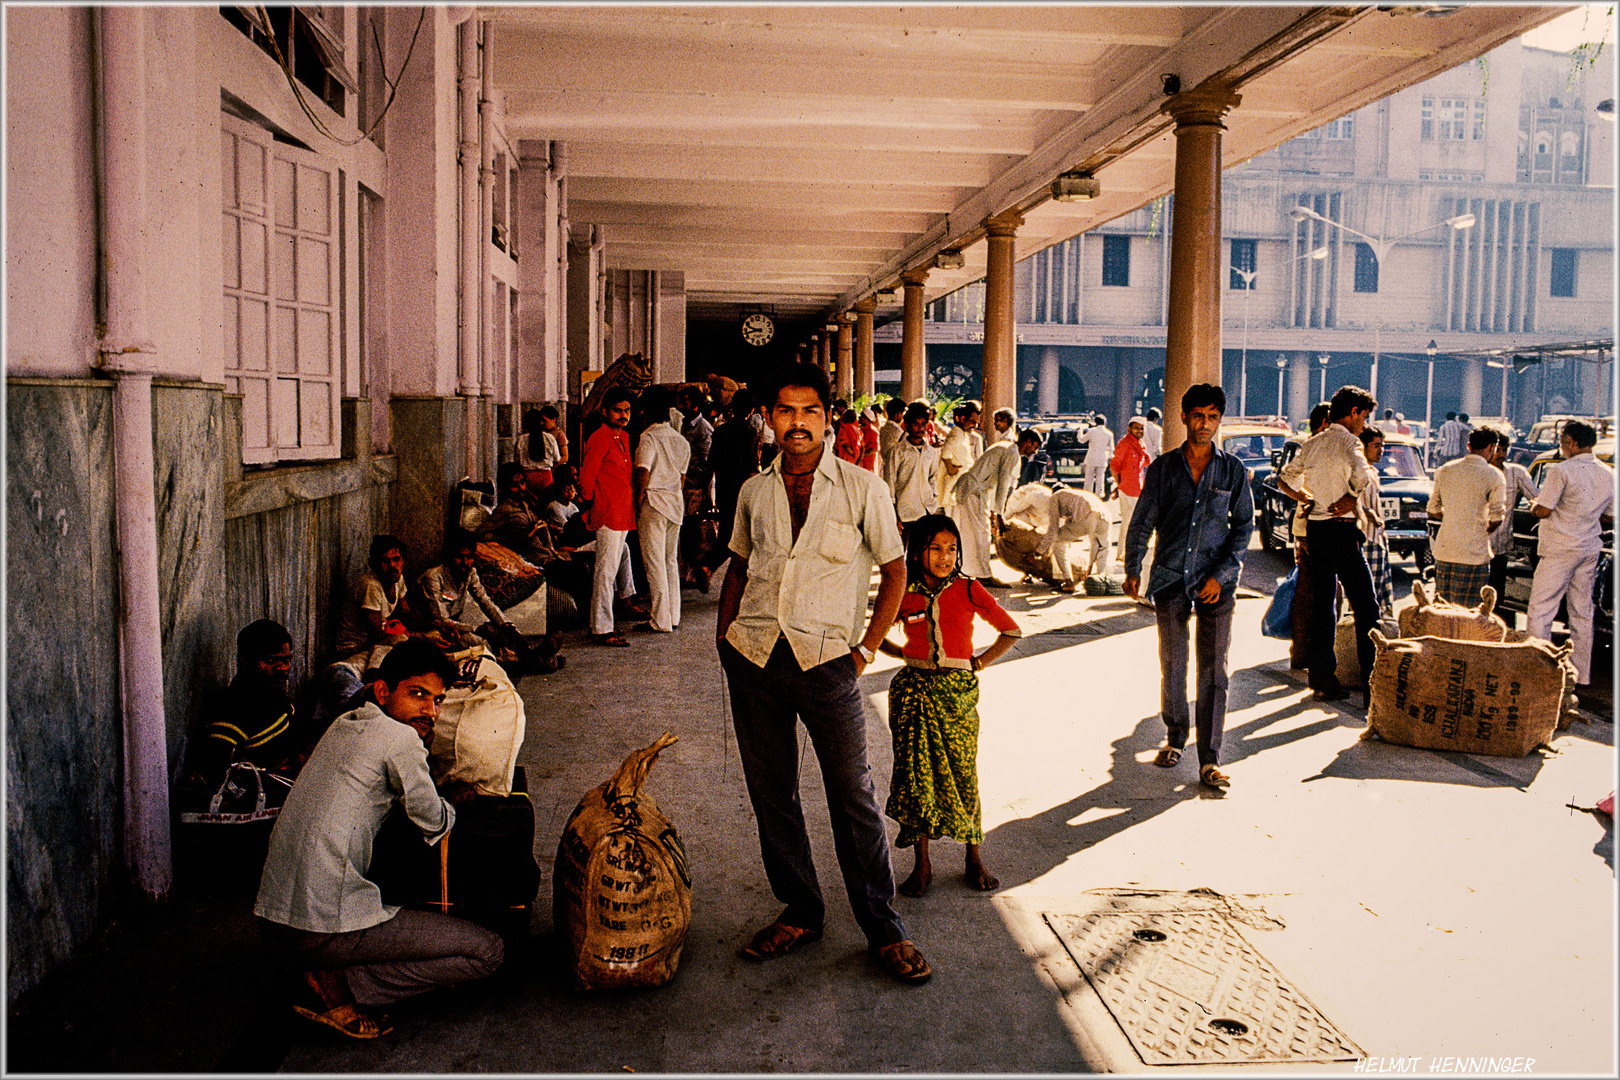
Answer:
(1348, 668)
(1479, 697)
(621, 894)
(480, 728)
(1016, 547)
(1434, 617)
(1571, 711)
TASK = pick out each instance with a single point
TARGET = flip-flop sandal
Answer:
(1210, 776)
(889, 956)
(347, 1020)
(1167, 757)
(778, 939)
(613, 640)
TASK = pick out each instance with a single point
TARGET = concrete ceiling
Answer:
(798, 158)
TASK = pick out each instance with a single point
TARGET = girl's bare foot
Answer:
(977, 876)
(922, 872)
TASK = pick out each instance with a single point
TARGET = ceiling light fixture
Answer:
(1075, 187)
(949, 259)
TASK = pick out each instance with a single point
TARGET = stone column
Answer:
(824, 350)
(1000, 379)
(1047, 381)
(913, 363)
(1301, 392)
(845, 385)
(863, 346)
(1473, 387)
(1193, 330)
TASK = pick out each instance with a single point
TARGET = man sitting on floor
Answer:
(371, 617)
(351, 952)
(253, 719)
(456, 603)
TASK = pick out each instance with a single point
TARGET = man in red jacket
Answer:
(604, 479)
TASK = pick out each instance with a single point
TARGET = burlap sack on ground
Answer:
(480, 728)
(1571, 711)
(1344, 649)
(1434, 617)
(1478, 697)
(1016, 547)
(621, 894)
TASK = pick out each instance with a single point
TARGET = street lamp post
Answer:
(1282, 364)
(1248, 277)
(1428, 405)
(1323, 360)
(1380, 247)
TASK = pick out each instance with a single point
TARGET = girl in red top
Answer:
(933, 701)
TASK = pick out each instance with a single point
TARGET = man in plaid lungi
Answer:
(1469, 500)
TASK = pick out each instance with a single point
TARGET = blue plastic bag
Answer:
(1279, 618)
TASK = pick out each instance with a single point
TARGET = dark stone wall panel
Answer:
(63, 782)
(199, 633)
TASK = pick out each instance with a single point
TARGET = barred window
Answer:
(1242, 259)
(1427, 124)
(1366, 269)
(1453, 119)
(1563, 272)
(1116, 269)
(1479, 119)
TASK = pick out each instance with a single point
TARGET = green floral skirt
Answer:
(934, 717)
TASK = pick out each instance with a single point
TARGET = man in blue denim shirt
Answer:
(1197, 499)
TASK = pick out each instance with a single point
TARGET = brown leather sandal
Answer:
(778, 939)
(893, 959)
(350, 1021)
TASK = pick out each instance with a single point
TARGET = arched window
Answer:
(1543, 143)
(1569, 143)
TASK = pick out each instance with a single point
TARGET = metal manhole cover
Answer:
(1188, 989)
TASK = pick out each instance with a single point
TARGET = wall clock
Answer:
(757, 329)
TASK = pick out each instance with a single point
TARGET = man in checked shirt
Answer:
(1327, 476)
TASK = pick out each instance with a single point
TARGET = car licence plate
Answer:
(1390, 508)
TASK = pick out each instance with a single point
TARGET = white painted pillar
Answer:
(1301, 391)
(1047, 380)
(489, 350)
(1473, 387)
(469, 84)
(128, 354)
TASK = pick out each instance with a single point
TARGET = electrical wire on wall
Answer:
(298, 89)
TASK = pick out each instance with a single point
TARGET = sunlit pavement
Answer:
(1432, 905)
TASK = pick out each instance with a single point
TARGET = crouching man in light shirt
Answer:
(1576, 498)
(353, 953)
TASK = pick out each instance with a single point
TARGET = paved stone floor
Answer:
(1429, 904)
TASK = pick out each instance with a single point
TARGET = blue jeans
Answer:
(1173, 608)
(766, 705)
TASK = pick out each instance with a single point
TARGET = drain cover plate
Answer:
(1200, 995)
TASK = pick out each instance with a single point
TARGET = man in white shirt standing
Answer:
(1099, 452)
(809, 529)
(1576, 500)
(1519, 483)
(1327, 476)
(1153, 437)
(912, 469)
(659, 480)
(982, 492)
(962, 448)
(1003, 425)
(1469, 500)
(890, 432)
(315, 905)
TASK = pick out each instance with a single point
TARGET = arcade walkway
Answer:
(1428, 904)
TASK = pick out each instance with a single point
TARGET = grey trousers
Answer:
(767, 704)
(410, 954)
(1174, 608)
